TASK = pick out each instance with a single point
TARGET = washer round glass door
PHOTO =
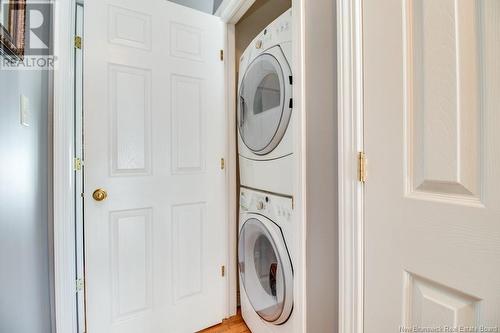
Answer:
(263, 115)
(266, 270)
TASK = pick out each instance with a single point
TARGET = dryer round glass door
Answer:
(264, 107)
(266, 270)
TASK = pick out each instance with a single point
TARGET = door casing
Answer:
(351, 200)
(65, 313)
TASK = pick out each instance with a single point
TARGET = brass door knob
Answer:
(99, 194)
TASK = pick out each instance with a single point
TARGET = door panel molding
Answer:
(441, 64)
(131, 262)
(421, 294)
(130, 124)
(120, 33)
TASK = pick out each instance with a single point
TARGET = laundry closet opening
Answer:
(267, 158)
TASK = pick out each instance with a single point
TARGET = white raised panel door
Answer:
(154, 137)
(432, 214)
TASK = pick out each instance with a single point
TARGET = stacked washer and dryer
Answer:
(266, 230)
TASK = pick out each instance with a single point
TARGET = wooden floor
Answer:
(232, 325)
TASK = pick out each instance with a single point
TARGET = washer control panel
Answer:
(273, 206)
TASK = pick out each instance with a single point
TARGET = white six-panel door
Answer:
(154, 136)
(432, 120)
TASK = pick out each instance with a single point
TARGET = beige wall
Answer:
(255, 20)
(320, 107)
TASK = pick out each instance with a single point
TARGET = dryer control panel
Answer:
(277, 33)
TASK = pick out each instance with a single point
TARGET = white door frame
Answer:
(63, 180)
(230, 12)
(351, 191)
(231, 173)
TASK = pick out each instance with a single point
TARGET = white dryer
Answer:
(265, 262)
(265, 122)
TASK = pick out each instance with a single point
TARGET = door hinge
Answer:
(78, 42)
(222, 164)
(362, 167)
(221, 55)
(77, 164)
(223, 271)
(80, 285)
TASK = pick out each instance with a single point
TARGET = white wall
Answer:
(206, 6)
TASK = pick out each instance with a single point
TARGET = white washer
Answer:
(265, 257)
(265, 122)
